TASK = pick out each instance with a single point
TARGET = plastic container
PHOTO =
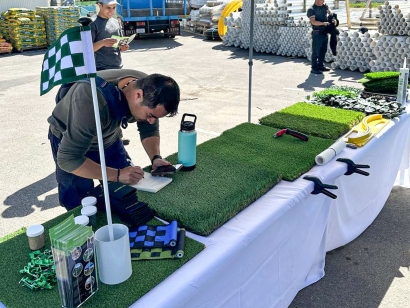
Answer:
(82, 220)
(35, 234)
(87, 201)
(187, 143)
(91, 212)
(113, 257)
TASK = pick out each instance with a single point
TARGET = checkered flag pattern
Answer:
(168, 252)
(154, 236)
(69, 59)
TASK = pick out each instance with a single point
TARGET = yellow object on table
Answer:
(365, 130)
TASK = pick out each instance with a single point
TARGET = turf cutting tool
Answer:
(293, 133)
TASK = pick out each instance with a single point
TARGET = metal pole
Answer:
(250, 60)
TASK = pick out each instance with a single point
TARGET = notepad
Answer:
(152, 183)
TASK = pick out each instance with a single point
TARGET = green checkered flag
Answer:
(70, 58)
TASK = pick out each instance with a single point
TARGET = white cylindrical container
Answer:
(35, 234)
(81, 220)
(91, 212)
(113, 257)
(87, 201)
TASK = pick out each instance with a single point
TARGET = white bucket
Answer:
(113, 257)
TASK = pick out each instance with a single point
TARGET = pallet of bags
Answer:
(58, 19)
(4, 46)
(26, 29)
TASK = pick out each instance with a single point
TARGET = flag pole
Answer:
(85, 21)
(250, 59)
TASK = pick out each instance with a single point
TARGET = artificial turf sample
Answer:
(146, 274)
(232, 171)
(314, 120)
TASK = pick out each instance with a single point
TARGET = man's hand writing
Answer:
(131, 175)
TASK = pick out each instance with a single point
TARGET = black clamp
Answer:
(353, 168)
(320, 188)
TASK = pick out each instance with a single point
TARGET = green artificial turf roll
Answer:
(147, 274)
(232, 171)
(314, 120)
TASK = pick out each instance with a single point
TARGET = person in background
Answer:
(318, 16)
(103, 27)
(135, 97)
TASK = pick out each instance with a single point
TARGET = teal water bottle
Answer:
(187, 143)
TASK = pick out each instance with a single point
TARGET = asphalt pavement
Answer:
(372, 271)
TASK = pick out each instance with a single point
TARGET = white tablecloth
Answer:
(268, 252)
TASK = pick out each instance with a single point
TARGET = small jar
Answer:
(87, 201)
(91, 212)
(35, 234)
(82, 220)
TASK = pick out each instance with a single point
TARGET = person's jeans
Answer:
(72, 188)
(319, 48)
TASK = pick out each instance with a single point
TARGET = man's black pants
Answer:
(319, 48)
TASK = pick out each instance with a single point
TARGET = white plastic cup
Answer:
(82, 220)
(113, 257)
(91, 212)
(35, 234)
(87, 201)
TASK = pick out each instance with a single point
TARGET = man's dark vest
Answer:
(117, 103)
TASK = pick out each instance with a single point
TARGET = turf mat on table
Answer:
(313, 120)
(146, 274)
(232, 171)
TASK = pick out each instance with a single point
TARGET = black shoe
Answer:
(316, 72)
(324, 69)
(125, 141)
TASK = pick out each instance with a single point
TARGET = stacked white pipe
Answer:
(355, 50)
(234, 29)
(394, 18)
(290, 42)
(276, 27)
(390, 51)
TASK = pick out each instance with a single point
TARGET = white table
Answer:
(275, 247)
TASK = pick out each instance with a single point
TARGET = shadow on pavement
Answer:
(361, 273)
(21, 203)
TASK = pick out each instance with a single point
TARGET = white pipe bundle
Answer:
(358, 52)
(388, 56)
(394, 19)
(292, 42)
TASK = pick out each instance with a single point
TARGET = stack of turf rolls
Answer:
(58, 19)
(26, 29)
(381, 82)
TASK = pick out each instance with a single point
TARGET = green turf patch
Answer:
(314, 120)
(146, 274)
(232, 171)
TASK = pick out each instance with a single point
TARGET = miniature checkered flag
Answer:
(70, 58)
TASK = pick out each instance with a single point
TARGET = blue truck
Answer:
(147, 17)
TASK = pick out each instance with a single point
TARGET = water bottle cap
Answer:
(187, 126)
